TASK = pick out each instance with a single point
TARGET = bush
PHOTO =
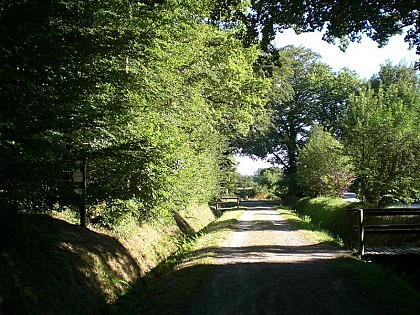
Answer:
(323, 168)
(114, 213)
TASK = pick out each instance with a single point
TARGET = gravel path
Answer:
(266, 267)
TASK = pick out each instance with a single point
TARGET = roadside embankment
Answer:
(51, 266)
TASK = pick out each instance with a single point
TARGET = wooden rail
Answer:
(222, 203)
(357, 224)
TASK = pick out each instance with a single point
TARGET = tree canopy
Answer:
(323, 167)
(342, 20)
(382, 134)
(156, 95)
(304, 92)
(148, 92)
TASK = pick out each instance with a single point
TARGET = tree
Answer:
(342, 20)
(323, 167)
(334, 94)
(147, 91)
(383, 136)
(246, 181)
(269, 179)
(304, 92)
(63, 83)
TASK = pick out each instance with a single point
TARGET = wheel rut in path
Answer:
(267, 267)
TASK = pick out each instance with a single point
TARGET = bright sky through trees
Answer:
(364, 58)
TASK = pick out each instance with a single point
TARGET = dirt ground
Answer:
(267, 267)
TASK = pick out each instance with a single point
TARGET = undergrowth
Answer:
(51, 265)
(382, 285)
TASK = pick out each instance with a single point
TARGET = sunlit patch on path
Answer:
(267, 267)
(262, 234)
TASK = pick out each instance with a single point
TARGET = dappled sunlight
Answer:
(81, 269)
(269, 253)
(256, 263)
(263, 235)
(275, 254)
(268, 266)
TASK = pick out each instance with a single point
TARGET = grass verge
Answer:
(180, 278)
(326, 213)
(382, 285)
(304, 224)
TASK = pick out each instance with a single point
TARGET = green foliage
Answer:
(383, 285)
(323, 168)
(198, 252)
(345, 21)
(246, 186)
(268, 180)
(304, 92)
(48, 265)
(327, 213)
(51, 266)
(147, 92)
(116, 212)
(246, 181)
(304, 222)
(269, 176)
(383, 136)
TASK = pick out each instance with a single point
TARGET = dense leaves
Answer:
(148, 93)
(342, 20)
(155, 96)
(383, 134)
(323, 167)
(61, 61)
(304, 92)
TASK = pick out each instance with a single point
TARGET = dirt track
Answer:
(266, 267)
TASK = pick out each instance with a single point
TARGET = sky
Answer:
(364, 58)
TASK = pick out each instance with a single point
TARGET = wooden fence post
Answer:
(350, 215)
(361, 232)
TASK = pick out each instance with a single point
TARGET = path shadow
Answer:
(313, 287)
(181, 291)
(317, 251)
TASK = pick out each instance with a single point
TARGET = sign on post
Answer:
(78, 177)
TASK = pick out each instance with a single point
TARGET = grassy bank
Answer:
(49, 265)
(306, 227)
(326, 213)
(180, 278)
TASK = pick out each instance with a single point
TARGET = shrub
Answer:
(116, 212)
(323, 168)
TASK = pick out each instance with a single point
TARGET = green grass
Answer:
(49, 265)
(304, 224)
(180, 278)
(326, 213)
